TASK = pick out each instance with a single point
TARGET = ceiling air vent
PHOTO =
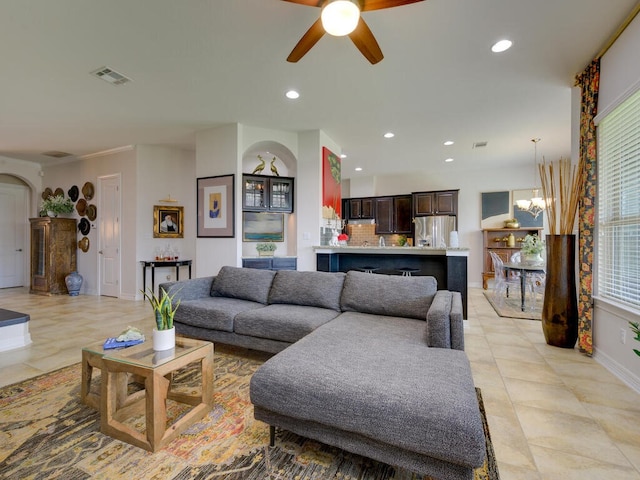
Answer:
(109, 75)
(56, 154)
(479, 144)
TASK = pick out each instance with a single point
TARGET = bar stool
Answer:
(408, 272)
(367, 269)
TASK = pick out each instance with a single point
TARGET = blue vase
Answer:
(74, 282)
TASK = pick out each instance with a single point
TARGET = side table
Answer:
(161, 263)
(156, 368)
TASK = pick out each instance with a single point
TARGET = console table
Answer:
(161, 263)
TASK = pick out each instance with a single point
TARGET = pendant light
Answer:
(536, 205)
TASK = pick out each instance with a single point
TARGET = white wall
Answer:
(88, 170)
(219, 152)
(613, 340)
(163, 171)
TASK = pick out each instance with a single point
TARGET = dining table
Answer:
(523, 269)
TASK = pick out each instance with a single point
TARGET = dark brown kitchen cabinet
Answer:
(262, 193)
(53, 254)
(359, 208)
(393, 214)
(444, 202)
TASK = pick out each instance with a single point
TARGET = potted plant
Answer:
(266, 249)
(54, 205)
(532, 249)
(164, 337)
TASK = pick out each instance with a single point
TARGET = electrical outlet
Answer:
(623, 336)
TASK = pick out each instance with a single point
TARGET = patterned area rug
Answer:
(511, 307)
(46, 433)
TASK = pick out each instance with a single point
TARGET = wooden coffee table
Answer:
(156, 368)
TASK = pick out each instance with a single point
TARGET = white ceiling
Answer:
(196, 64)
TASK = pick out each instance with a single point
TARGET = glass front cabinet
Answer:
(53, 254)
(267, 194)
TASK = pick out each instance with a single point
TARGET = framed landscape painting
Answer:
(262, 227)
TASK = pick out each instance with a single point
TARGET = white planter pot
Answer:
(164, 339)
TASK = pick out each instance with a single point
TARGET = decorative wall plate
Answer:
(46, 193)
(58, 192)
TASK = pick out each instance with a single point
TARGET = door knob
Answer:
(100, 252)
(19, 250)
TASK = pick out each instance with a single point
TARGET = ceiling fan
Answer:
(358, 30)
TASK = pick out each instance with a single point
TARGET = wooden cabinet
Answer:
(262, 193)
(443, 202)
(271, 263)
(358, 208)
(393, 214)
(53, 254)
(495, 240)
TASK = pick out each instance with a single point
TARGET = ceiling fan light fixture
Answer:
(340, 17)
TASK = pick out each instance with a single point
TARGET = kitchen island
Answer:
(447, 265)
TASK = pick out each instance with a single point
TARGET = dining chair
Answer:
(502, 282)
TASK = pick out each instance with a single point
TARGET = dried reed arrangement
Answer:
(562, 187)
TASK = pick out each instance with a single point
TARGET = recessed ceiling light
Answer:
(292, 94)
(389, 135)
(358, 169)
(501, 46)
(448, 160)
(343, 155)
(449, 142)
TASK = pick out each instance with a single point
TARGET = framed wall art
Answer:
(216, 206)
(496, 208)
(168, 222)
(262, 227)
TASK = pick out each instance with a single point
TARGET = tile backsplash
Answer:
(358, 234)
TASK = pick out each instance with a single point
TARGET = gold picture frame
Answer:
(168, 222)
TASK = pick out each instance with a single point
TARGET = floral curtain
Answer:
(589, 82)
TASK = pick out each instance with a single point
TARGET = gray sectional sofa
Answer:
(373, 364)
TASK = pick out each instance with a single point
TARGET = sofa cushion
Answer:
(245, 283)
(286, 323)
(314, 289)
(388, 294)
(215, 313)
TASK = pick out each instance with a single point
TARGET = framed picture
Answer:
(168, 222)
(525, 219)
(496, 208)
(262, 227)
(216, 206)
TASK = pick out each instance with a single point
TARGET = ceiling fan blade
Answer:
(368, 5)
(307, 41)
(308, 3)
(363, 38)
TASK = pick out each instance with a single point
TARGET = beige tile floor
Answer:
(553, 413)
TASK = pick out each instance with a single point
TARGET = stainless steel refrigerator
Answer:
(433, 231)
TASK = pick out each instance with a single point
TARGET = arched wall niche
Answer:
(286, 164)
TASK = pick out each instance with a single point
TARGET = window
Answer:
(618, 263)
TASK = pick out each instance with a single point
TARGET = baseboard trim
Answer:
(618, 370)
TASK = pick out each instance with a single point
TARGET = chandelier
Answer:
(536, 205)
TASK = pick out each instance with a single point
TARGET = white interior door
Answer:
(109, 235)
(13, 237)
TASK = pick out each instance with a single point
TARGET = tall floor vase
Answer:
(560, 308)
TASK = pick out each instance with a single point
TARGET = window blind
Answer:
(618, 263)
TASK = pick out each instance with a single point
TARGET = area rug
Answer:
(511, 307)
(46, 433)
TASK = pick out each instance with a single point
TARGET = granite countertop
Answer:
(449, 252)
